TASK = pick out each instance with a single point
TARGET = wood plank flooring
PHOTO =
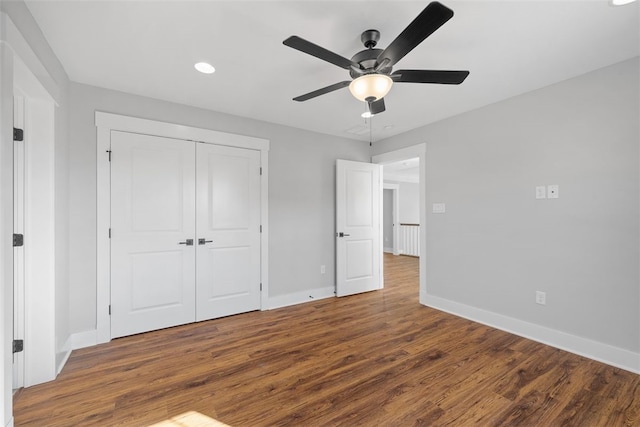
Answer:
(376, 359)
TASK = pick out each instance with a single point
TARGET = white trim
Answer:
(395, 188)
(64, 355)
(300, 297)
(39, 243)
(107, 122)
(601, 352)
(170, 130)
(6, 230)
(420, 151)
(84, 339)
(264, 215)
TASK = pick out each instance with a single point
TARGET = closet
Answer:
(185, 231)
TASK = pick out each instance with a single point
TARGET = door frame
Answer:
(18, 227)
(395, 191)
(107, 122)
(420, 151)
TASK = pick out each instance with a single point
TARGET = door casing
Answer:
(108, 122)
(420, 151)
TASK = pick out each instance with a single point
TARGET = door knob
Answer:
(203, 241)
(188, 242)
(341, 234)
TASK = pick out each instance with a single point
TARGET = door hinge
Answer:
(261, 286)
(18, 240)
(261, 228)
(18, 134)
(109, 233)
(260, 170)
(18, 346)
(109, 151)
(109, 309)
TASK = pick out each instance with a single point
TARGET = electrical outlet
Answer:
(553, 191)
(541, 192)
(541, 298)
(322, 269)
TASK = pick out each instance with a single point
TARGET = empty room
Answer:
(320, 213)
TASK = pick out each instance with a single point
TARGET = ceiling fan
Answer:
(371, 69)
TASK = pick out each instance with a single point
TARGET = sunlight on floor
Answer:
(190, 419)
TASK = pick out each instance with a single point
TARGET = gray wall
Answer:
(301, 192)
(387, 220)
(496, 245)
(409, 203)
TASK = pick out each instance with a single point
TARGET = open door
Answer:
(358, 227)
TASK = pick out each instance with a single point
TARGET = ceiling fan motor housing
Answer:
(367, 58)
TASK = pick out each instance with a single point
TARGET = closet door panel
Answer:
(228, 231)
(152, 212)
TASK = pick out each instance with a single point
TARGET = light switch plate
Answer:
(438, 208)
(541, 192)
(553, 191)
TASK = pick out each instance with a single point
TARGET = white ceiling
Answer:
(510, 47)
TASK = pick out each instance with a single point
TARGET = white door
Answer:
(18, 252)
(152, 224)
(358, 227)
(228, 231)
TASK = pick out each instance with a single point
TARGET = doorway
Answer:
(408, 164)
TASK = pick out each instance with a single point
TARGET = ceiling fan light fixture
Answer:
(369, 86)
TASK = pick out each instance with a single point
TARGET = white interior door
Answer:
(228, 231)
(152, 220)
(18, 252)
(358, 227)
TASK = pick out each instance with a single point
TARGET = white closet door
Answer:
(228, 231)
(152, 212)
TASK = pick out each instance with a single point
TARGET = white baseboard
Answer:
(300, 297)
(84, 339)
(63, 356)
(388, 250)
(605, 353)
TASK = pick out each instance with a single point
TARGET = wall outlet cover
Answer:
(541, 192)
(553, 191)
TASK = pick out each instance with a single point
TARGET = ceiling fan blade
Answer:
(377, 107)
(430, 76)
(429, 20)
(319, 52)
(322, 91)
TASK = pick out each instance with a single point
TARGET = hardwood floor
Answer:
(376, 359)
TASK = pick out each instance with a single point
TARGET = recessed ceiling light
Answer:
(205, 68)
(366, 115)
(621, 2)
